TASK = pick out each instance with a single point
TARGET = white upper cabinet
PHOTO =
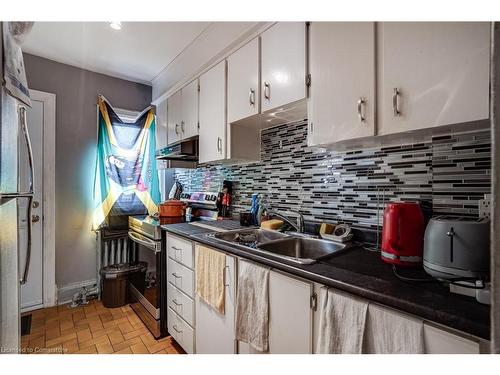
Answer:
(161, 124)
(174, 114)
(189, 120)
(243, 97)
(432, 74)
(283, 57)
(341, 101)
(212, 142)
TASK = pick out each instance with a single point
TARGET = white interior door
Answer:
(32, 291)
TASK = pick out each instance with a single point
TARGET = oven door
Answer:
(145, 297)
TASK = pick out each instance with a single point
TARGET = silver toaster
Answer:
(457, 248)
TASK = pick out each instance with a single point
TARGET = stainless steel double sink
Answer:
(292, 247)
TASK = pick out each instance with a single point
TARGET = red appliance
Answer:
(403, 234)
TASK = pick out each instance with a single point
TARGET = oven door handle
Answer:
(150, 244)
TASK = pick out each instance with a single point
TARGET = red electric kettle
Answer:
(403, 234)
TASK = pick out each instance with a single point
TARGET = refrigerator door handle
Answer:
(24, 127)
(29, 195)
(29, 212)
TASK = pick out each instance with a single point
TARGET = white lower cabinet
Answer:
(180, 292)
(435, 340)
(181, 304)
(440, 341)
(290, 316)
(181, 331)
(215, 333)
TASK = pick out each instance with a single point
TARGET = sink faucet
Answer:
(298, 226)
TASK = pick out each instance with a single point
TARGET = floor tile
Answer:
(92, 329)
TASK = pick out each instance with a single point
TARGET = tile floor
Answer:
(92, 329)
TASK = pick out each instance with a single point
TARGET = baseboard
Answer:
(65, 293)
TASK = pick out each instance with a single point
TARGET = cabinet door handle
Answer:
(225, 277)
(395, 101)
(177, 129)
(267, 90)
(219, 144)
(361, 112)
(182, 126)
(251, 96)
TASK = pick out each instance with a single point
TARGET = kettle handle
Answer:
(395, 234)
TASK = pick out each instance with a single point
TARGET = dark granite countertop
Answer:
(361, 272)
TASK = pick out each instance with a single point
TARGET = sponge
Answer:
(272, 224)
(326, 228)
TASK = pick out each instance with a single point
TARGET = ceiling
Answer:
(138, 52)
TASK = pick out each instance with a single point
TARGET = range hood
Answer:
(183, 154)
(184, 150)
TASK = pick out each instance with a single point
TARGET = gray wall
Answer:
(76, 137)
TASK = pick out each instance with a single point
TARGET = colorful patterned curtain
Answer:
(126, 178)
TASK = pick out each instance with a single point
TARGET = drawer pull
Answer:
(176, 303)
(225, 277)
(176, 329)
(176, 248)
(176, 276)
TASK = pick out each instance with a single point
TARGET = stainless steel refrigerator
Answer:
(13, 129)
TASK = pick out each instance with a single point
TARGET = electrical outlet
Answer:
(485, 207)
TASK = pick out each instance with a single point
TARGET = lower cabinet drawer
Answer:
(181, 331)
(181, 277)
(180, 250)
(181, 304)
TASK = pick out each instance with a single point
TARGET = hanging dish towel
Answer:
(341, 323)
(389, 332)
(210, 266)
(252, 306)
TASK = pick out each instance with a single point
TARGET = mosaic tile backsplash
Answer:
(450, 172)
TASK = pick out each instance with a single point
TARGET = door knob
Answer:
(35, 218)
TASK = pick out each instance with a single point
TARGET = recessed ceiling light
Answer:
(115, 25)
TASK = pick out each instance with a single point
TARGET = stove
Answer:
(148, 299)
(200, 205)
(204, 198)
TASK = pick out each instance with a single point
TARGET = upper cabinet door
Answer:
(174, 108)
(243, 82)
(283, 48)
(433, 74)
(212, 142)
(189, 120)
(342, 94)
(161, 125)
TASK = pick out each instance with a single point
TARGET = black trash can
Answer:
(115, 281)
